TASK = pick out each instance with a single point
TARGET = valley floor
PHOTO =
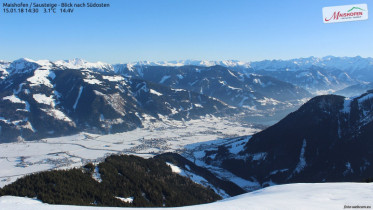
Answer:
(290, 196)
(22, 158)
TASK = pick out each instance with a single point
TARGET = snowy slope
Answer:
(3, 66)
(79, 63)
(253, 91)
(355, 90)
(43, 99)
(348, 64)
(156, 137)
(317, 75)
(328, 139)
(178, 63)
(39, 96)
(291, 196)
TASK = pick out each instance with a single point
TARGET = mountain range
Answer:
(328, 139)
(317, 75)
(46, 99)
(41, 99)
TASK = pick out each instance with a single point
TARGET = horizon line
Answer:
(180, 60)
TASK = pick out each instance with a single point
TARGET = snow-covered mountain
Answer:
(41, 99)
(179, 89)
(78, 63)
(355, 90)
(205, 63)
(348, 64)
(328, 139)
(3, 66)
(317, 75)
(317, 80)
(234, 88)
(290, 196)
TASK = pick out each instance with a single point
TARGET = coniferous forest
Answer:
(150, 182)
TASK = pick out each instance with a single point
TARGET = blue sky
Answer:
(155, 30)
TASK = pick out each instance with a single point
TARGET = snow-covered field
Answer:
(19, 159)
(196, 152)
(291, 196)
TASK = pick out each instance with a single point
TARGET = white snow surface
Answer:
(77, 98)
(78, 63)
(43, 99)
(126, 200)
(77, 150)
(93, 81)
(113, 78)
(268, 101)
(41, 77)
(58, 115)
(174, 168)
(238, 146)
(302, 160)
(326, 196)
(196, 153)
(155, 92)
(196, 178)
(226, 63)
(3, 66)
(14, 99)
(348, 64)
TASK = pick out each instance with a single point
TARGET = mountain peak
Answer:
(22, 65)
(204, 63)
(78, 63)
(24, 60)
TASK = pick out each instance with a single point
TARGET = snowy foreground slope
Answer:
(290, 196)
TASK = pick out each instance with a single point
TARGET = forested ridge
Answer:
(150, 182)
